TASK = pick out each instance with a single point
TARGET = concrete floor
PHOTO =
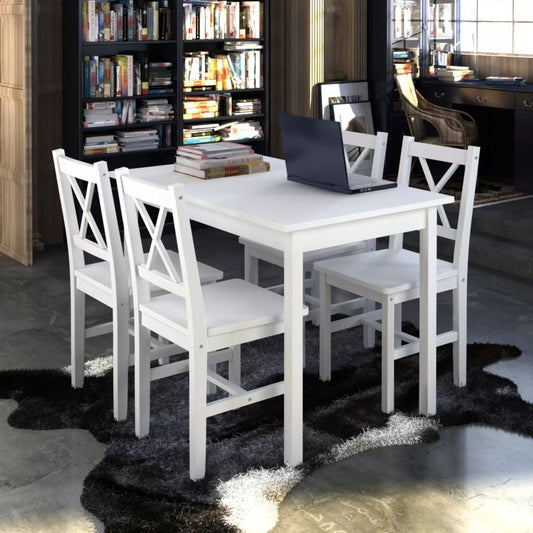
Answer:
(472, 479)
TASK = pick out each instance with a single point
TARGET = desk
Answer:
(296, 218)
(515, 101)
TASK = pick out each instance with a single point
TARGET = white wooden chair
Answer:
(370, 151)
(98, 268)
(391, 276)
(204, 320)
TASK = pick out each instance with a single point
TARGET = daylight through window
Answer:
(497, 26)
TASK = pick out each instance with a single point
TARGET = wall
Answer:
(500, 66)
(312, 41)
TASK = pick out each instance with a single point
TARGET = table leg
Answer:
(293, 361)
(428, 315)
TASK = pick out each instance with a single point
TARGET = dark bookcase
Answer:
(424, 35)
(238, 100)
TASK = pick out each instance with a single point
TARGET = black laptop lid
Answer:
(313, 151)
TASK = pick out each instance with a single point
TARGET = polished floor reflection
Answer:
(472, 479)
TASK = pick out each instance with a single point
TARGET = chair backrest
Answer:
(451, 160)
(410, 102)
(367, 145)
(89, 214)
(407, 88)
(152, 205)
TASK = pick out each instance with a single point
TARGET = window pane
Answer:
(523, 10)
(468, 37)
(468, 9)
(503, 44)
(495, 10)
(523, 43)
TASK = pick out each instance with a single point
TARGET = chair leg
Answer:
(325, 329)
(251, 267)
(142, 379)
(387, 356)
(398, 324)
(197, 411)
(234, 370)
(77, 336)
(369, 334)
(315, 292)
(121, 346)
(459, 325)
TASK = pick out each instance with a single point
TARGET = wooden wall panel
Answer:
(312, 41)
(15, 139)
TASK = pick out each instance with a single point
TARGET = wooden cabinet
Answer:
(30, 95)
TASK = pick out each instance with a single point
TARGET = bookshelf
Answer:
(137, 86)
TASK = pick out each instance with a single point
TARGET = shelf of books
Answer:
(142, 77)
(225, 49)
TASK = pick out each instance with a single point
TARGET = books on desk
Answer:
(222, 162)
(505, 80)
(455, 73)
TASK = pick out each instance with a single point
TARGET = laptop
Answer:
(314, 155)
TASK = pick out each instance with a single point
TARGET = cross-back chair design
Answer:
(98, 269)
(391, 276)
(369, 148)
(96, 264)
(204, 320)
(453, 127)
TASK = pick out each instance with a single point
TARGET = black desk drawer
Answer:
(448, 94)
(483, 97)
(524, 101)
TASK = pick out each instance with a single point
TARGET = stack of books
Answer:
(201, 133)
(100, 144)
(158, 109)
(200, 107)
(247, 129)
(405, 61)
(132, 140)
(246, 106)
(454, 73)
(160, 77)
(98, 114)
(218, 160)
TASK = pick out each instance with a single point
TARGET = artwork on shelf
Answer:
(339, 92)
(356, 117)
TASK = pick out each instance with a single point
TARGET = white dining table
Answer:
(296, 218)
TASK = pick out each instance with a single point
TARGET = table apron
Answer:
(314, 238)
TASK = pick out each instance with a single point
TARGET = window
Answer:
(497, 27)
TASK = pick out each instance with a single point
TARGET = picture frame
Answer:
(354, 116)
(341, 92)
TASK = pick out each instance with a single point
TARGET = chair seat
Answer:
(309, 257)
(230, 305)
(384, 271)
(99, 273)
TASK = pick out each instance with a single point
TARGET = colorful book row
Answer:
(106, 21)
(222, 20)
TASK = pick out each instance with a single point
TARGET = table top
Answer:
(270, 200)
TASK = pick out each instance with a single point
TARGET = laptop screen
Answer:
(313, 150)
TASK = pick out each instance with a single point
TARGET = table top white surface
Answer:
(270, 200)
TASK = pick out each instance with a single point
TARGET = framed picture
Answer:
(356, 117)
(337, 92)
